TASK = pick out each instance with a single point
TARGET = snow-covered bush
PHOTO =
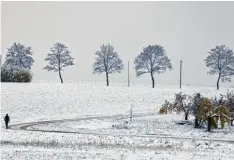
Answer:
(7, 75)
(167, 107)
(182, 103)
(218, 110)
(21, 75)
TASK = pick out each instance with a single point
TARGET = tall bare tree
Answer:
(18, 57)
(152, 59)
(220, 60)
(58, 58)
(107, 61)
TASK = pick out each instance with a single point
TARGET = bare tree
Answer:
(152, 60)
(221, 61)
(107, 61)
(59, 58)
(18, 57)
(182, 104)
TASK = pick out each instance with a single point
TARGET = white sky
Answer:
(187, 30)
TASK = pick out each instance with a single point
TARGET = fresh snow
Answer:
(47, 101)
(165, 125)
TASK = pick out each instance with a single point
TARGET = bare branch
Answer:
(153, 59)
(107, 61)
(220, 60)
(19, 57)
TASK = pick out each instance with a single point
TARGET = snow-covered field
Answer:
(36, 101)
(47, 101)
(164, 125)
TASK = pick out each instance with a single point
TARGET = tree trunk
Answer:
(107, 79)
(218, 81)
(186, 116)
(60, 76)
(196, 122)
(152, 77)
(209, 124)
(131, 115)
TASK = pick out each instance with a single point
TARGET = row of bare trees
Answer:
(153, 59)
(19, 57)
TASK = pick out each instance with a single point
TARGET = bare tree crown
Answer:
(19, 57)
(58, 58)
(107, 60)
(220, 60)
(152, 59)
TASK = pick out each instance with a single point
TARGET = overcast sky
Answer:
(187, 31)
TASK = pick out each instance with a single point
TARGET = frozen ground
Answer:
(41, 101)
(111, 153)
(36, 102)
(164, 125)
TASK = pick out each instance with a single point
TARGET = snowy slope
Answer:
(36, 101)
(46, 101)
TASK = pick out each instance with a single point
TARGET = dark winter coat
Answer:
(7, 119)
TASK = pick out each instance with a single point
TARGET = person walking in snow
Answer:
(7, 120)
